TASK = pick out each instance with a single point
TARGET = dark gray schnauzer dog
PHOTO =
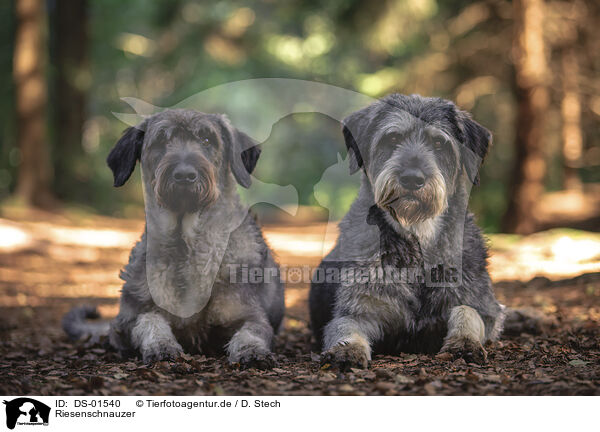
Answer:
(179, 293)
(408, 272)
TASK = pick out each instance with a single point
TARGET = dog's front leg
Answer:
(466, 334)
(347, 342)
(250, 345)
(153, 337)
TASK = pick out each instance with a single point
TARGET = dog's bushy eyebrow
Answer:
(194, 134)
(435, 112)
(190, 130)
(434, 131)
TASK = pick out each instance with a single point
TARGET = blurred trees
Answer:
(532, 96)
(473, 52)
(570, 108)
(35, 172)
(70, 81)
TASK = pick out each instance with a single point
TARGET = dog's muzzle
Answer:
(185, 174)
(412, 179)
(410, 196)
(183, 187)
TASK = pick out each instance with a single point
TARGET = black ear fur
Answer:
(243, 153)
(124, 155)
(355, 159)
(250, 157)
(477, 141)
(353, 127)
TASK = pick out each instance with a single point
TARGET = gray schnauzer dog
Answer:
(196, 229)
(419, 157)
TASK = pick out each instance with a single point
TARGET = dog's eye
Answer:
(392, 139)
(439, 143)
(205, 141)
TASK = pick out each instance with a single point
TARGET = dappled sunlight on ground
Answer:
(48, 267)
(298, 244)
(13, 238)
(51, 260)
(554, 254)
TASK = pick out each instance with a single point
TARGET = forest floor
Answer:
(49, 263)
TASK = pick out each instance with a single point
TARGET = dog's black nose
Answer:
(185, 174)
(412, 179)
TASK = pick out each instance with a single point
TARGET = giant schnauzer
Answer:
(408, 272)
(179, 293)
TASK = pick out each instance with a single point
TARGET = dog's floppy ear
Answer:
(243, 152)
(353, 128)
(477, 141)
(249, 156)
(124, 155)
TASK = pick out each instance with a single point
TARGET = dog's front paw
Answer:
(468, 349)
(258, 360)
(161, 351)
(345, 356)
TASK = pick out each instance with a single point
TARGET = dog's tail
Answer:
(76, 325)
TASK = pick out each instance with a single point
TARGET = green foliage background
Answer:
(164, 51)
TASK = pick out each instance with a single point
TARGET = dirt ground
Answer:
(50, 263)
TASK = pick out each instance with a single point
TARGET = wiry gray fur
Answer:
(192, 230)
(389, 226)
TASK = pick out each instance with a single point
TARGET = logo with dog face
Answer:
(187, 154)
(417, 159)
(26, 411)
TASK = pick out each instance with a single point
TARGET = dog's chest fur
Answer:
(194, 249)
(228, 304)
(412, 307)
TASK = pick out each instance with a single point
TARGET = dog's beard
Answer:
(185, 198)
(409, 207)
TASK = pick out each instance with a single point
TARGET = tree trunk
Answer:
(35, 174)
(532, 99)
(69, 36)
(572, 140)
